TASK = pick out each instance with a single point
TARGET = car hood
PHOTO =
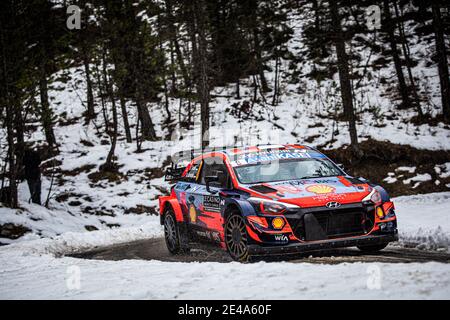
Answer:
(314, 192)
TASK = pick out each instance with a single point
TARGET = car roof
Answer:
(233, 151)
(264, 148)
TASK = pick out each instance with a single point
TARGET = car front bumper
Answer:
(296, 248)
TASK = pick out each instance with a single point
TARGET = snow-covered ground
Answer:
(38, 269)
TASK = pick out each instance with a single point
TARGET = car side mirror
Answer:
(208, 180)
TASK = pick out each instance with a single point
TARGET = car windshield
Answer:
(286, 170)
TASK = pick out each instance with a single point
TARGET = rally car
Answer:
(272, 200)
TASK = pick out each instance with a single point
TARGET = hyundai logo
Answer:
(333, 204)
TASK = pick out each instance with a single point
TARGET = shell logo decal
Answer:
(192, 213)
(320, 189)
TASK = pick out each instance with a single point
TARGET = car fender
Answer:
(170, 201)
(243, 205)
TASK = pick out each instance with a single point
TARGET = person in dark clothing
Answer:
(31, 162)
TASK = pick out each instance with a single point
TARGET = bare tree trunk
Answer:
(102, 98)
(259, 63)
(147, 127)
(408, 61)
(5, 101)
(90, 113)
(19, 126)
(344, 77)
(202, 64)
(176, 46)
(275, 87)
(164, 79)
(126, 123)
(395, 55)
(109, 165)
(442, 61)
(46, 112)
(13, 202)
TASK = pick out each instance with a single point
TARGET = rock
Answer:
(12, 231)
(141, 209)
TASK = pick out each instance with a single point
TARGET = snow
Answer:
(443, 170)
(418, 178)
(424, 220)
(390, 179)
(38, 269)
(407, 169)
(158, 280)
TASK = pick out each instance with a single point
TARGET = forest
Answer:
(115, 80)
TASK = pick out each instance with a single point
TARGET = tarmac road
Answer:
(155, 249)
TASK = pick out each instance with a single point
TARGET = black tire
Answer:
(176, 239)
(236, 238)
(373, 248)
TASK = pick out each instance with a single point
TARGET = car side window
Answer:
(215, 166)
(194, 171)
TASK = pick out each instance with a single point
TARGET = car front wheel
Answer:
(236, 238)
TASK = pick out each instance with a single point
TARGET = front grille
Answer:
(338, 224)
(349, 220)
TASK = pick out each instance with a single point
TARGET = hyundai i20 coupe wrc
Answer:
(272, 200)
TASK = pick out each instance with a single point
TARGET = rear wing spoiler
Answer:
(174, 174)
(180, 161)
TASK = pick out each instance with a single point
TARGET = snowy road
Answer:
(155, 249)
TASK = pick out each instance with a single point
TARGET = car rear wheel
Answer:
(236, 238)
(373, 248)
(176, 241)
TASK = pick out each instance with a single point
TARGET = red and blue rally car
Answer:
(272, 200)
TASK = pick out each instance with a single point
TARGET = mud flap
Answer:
(313, 230)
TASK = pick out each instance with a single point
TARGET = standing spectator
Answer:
(31, 161)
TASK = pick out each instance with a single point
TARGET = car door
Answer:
(206, 220)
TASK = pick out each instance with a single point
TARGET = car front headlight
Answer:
(269, 206)
(374, 196)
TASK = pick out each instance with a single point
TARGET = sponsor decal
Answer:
(320, 189)
(304, 182)
(289, 189)
(281, 238)
(211, 203)
(330, 197)
(274, 155)
(182, 186)
(192, 213)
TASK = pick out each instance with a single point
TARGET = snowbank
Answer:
(424, 220)
(72, 242)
